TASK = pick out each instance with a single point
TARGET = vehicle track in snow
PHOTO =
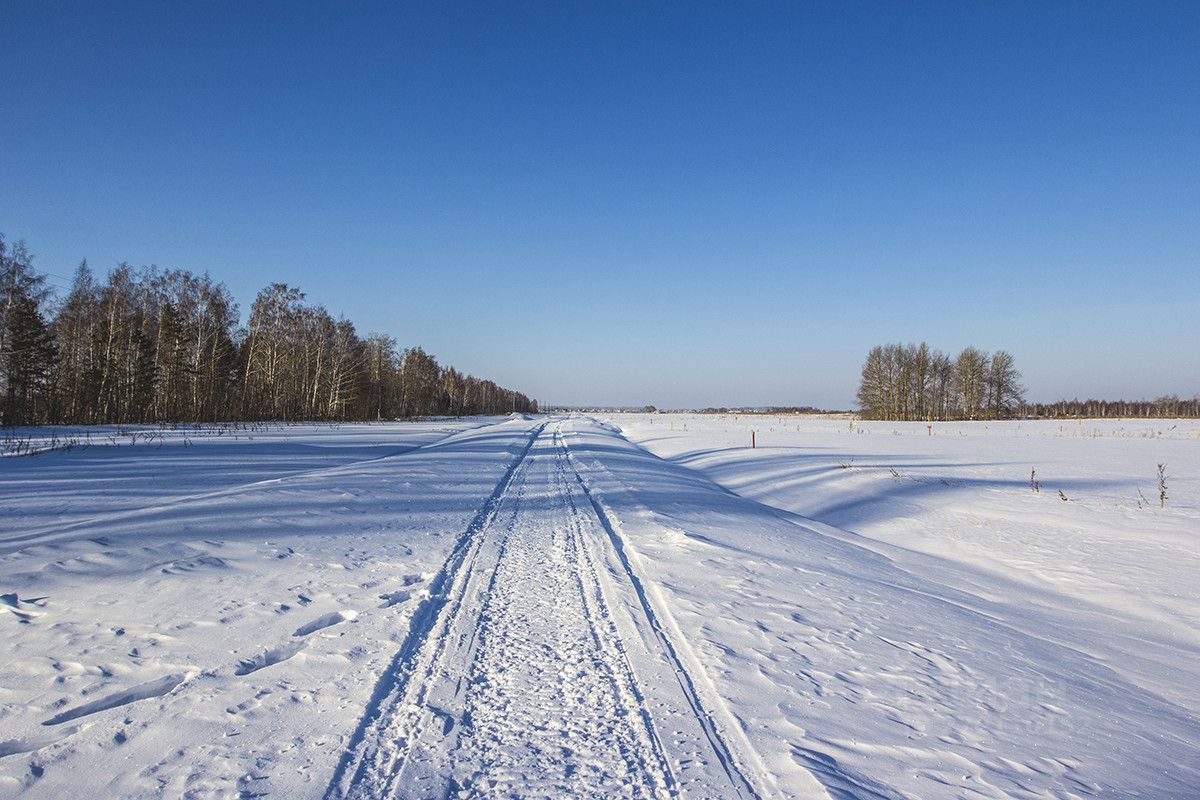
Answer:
(538, 668)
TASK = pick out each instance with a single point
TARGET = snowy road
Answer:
(541, 671)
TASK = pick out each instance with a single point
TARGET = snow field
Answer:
(1038, 647)
(643, 607)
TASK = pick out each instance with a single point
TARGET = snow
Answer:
(636, 606)
(274, 572)
(930, 626)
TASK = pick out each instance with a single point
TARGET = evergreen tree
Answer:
(22, 290)
(31, 357)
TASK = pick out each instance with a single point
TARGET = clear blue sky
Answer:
(684, 204)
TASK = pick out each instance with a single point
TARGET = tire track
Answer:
(545, 709)
(603, 625)
(366, 745)
(539, 666)
(424, 727)
(739, 784)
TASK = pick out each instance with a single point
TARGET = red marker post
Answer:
(751, 440)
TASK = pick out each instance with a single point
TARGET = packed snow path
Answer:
(540, 670)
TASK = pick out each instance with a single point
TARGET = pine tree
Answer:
(21, 292)
(31, 359)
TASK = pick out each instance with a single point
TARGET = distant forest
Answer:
(154, 346)
(915, 382)
(1166, 407)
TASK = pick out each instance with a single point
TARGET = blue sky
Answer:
(629, 203)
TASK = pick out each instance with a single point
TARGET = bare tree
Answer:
(1004, 390)
(970, 376)
(152, 345)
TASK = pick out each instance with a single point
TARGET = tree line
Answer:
(915, 382)
(1166, 407)
(149, 345)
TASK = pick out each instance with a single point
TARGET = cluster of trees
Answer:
(165, 346)
(915, 382)
(1167, 407)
